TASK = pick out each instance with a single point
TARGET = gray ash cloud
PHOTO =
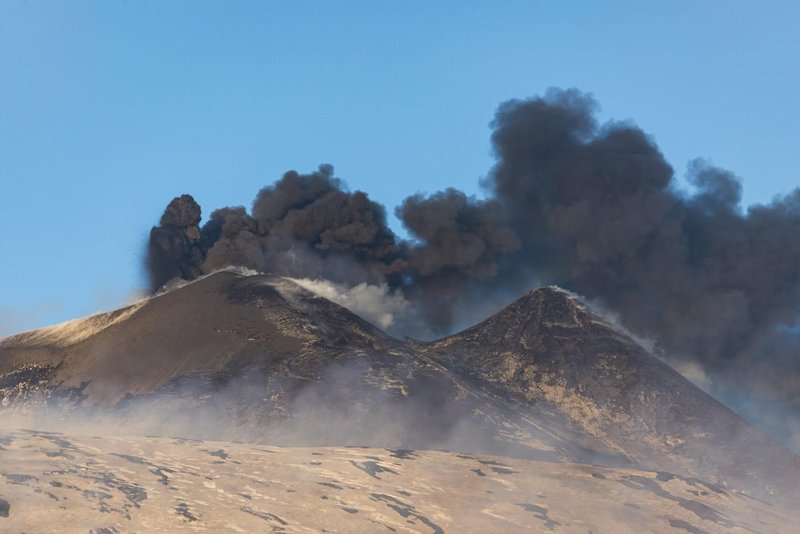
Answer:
(594, 208)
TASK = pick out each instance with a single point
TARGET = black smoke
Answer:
(593, 208)
(173, 250)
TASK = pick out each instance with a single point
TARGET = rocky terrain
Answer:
(58, 483)
(546, 383)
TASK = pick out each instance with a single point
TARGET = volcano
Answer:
(259, 359)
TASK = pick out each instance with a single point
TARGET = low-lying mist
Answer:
(348, 404)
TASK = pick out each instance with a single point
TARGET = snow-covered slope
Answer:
(65, 484)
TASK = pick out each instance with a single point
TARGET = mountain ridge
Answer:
(544, 378)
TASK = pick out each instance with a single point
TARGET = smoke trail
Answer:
(592, 208)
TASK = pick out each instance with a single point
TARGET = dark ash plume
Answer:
(600, 214)
(593, 208)
(460, 244)
(173, 250)
(305, 225)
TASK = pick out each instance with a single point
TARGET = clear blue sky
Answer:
(108, 109)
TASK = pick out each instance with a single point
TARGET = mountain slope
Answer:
(257, 358)
(202, 328)
(548, 349)
(137, 484)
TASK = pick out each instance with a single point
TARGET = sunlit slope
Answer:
(61, 483)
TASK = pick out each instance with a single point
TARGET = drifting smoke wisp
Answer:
(592, 208)
(376, 303)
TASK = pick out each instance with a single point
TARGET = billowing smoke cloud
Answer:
(174, 246)
(305, 226)
(589, 207)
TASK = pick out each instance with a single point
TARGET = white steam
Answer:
(694, 373)
(375, 303)
(597, 308)
(690, 370)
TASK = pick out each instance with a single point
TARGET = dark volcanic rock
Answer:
(258, 358)
(546, 349)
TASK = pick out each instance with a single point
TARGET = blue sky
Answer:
(109, 109)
